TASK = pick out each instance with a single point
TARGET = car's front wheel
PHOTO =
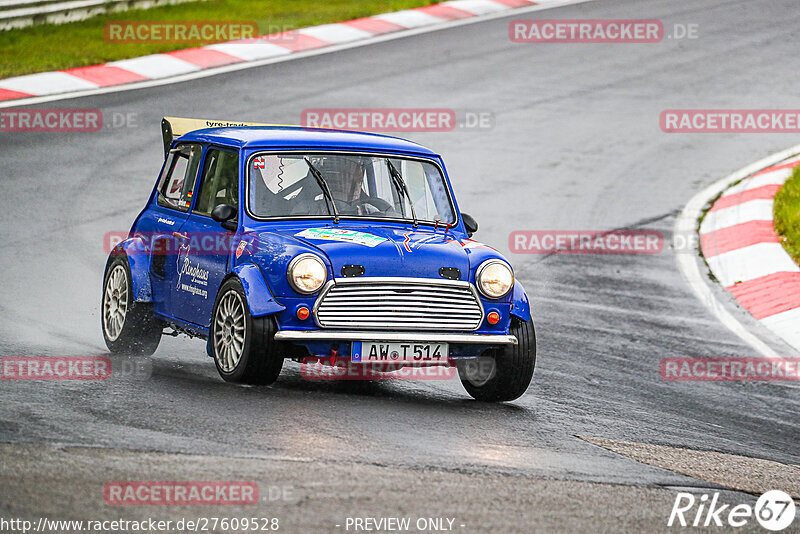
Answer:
(243, 346)
(129, 327)
(503, 374)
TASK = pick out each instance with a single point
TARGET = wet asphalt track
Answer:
(576, 145)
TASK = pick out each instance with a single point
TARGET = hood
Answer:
(381, 250)
(387, 250)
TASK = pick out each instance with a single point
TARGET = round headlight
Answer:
(306, 273)
(494, 278)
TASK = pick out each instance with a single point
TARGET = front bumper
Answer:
(410, 337)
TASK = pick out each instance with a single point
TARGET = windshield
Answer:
(284, 185)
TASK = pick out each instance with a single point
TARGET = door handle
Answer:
(179, 235)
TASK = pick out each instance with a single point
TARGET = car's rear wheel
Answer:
(129, 327)
(503, 374)
(243, 346)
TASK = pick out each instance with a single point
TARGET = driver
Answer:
(344, 175)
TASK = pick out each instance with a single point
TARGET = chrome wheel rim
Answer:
(115, 303)
(230, 329)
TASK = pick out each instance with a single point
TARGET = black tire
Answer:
(511, 368)
(139, 332)
(260, 361)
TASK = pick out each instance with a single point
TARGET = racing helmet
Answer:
(344, 174)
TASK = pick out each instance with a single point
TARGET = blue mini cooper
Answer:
(275, 242)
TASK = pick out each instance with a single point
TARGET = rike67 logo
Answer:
(774, 510)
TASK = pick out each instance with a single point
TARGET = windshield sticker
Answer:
(272, 171)
(348, 236)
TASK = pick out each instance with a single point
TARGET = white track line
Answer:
(689, 265)
(289, 57)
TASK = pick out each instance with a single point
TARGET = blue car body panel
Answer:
(522, 308)
(135, 249)
(259, 298)
(183, 286)
(292, 137)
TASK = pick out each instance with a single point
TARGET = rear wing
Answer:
(174, 127)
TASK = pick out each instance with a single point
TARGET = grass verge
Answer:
(78, 44)
(787, 214)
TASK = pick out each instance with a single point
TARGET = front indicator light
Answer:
(493, 317)
(302, 313)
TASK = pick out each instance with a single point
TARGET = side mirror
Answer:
(225, 214)
(470, 223)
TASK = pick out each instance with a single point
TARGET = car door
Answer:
(167, 218)
(207, 244)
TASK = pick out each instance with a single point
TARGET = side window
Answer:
(220, 183)
(177, 182)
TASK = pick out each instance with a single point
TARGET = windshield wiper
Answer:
(400, 184)
(326, 192)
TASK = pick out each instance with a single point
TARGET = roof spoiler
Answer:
(174, 127)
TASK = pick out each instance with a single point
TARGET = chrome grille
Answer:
(399, 304)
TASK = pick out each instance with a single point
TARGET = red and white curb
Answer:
(738, 240)
(695, 271)
(179, 63)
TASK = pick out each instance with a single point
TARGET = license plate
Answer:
(375, 352)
